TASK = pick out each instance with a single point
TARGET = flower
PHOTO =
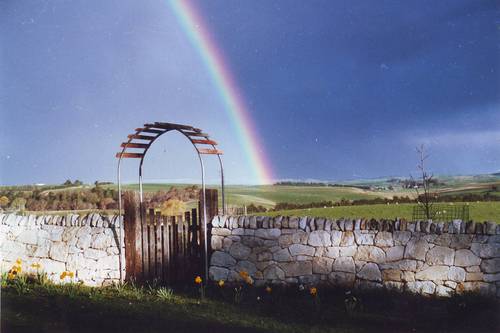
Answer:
(63, 275)
(313, 291)
(71, 274)
(244, 275)
(269, 289)
(221, 283)
(18, 261)
(198, 280)
(36, 265)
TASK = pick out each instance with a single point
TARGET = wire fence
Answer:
(441, 212)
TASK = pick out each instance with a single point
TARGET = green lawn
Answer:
(75, 308)
(479, 211)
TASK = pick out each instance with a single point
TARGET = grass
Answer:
(478, 211)
(75, 308)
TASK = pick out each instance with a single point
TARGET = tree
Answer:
(173, 207)
(67, 182)
(424, 199)
(18, 203)
(4, 201)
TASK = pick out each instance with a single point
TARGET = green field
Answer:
(479, 211)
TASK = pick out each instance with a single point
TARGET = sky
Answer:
(336, 90)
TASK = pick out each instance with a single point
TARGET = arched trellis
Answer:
(141, 141)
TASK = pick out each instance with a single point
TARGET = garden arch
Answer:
(137, 146)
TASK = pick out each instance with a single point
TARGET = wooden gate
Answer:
(168, 249)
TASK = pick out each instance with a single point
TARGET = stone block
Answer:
(282, 255)
(222, 259)
(221, 231)
(464, 258)
(336, 237)
(332, 252)
(482, 288)
(273, 272)
(421, 287)
(401, 237)
(295, 269)
(268, 233)
(370, 253)
(94, 254)
(285, 240)
(416, 249)
(433, 273)
(348, 251)
(391, 275)
(486, 251)
(384, 239)
(344, 264)
(322, 265)
(59, 251)
(246, 266)
(299, 249)
(440, 255)
(363, 237)
(342, 279)
(239, 251)
(319, 238)
(491, 265)
(347, 239)
(370, 271)
(394, 253)
(299, 237)
(456, 274)
(444, 291)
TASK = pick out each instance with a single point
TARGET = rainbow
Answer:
(199, 35)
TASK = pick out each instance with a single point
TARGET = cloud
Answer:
(485, 139)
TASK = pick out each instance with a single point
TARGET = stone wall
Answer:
(86, 245)
(422, 257)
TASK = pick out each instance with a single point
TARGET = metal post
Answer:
(222, 185)
(120, 241)
(205, 235)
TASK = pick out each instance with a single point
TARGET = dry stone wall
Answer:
(87, 245)
(422, 257)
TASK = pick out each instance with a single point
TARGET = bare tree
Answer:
(424, 199)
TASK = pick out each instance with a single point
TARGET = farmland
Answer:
(479, 211)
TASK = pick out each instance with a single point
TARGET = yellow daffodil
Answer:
(244, 275)
(249, 280)
(63, 275)
(198, 280)
(71, 275)
(269, 289)
(19, 261)
(221, 283)
(313, 291)
(36, 265)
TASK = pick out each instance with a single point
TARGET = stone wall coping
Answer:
(308, 223)
(69, 220)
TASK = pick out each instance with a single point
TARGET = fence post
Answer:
(132, 234)
(212, 206)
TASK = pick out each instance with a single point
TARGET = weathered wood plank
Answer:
(141, 137)
(204, 142)
(129, 155)
(151, 244)
(158, 246)
(134, 145)
(205, 151)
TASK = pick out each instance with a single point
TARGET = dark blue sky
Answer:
(337, 89)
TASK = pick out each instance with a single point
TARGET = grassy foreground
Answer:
(75, 308)
(479, 211)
